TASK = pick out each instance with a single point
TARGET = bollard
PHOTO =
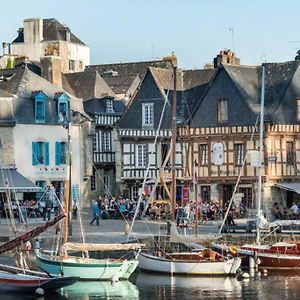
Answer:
(126, 229)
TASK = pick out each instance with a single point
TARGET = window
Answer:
(95, 142)
(205, 193)
(290, 155)
(203, 155)
(60, 153)
(93, 181)
(106, 182)
(164, 153)
(147, 114)
(40, 153)
(72, 65)
(247, 199)
(105, 139)
(222, 111)
(298, 109)
(62, 106)
(109, 106)
(239, 154)
(40, 107)
(141, 158)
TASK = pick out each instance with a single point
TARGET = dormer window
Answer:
(109, 106)
(40, 107)
(62, 106)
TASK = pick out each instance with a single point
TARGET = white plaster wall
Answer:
(79, 52)
(25, 134)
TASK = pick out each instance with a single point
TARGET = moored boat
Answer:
(14, 279)
(202, 262)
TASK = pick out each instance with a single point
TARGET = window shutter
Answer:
(57, 154)
(46, 153)
(34, 153)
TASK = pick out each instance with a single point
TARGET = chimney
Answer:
(33, 31)
(51, 69)
(6, 48)
(226, 57)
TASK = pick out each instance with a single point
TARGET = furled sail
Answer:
(101, 247)
(29, 235)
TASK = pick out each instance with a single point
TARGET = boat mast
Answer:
(174, 137)
(68, 189)
(195, 198)
(260, 156)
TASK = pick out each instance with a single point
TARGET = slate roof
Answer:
(98, 106)
(127, 76)
(191, 84)
(121, 84)
(51, 32)
(22, 83)
(282, 88)
(86, 85)
(130, 68)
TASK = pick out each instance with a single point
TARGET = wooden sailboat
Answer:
(192, 261)
(15, 279)
(85, 267)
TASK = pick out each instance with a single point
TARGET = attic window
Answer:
(110, 73)
(222, 110)
(109, 106)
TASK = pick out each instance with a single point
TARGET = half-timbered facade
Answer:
(148, 118)
(223, 132)
(101, 104)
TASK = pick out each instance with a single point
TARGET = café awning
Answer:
(12, 180)
(289, 186)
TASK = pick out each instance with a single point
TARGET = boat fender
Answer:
(265, 272)
(126, 229)
(114, 279)
(245, 275)
(258, 261)
(40, 291)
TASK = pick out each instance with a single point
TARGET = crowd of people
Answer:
(280, 213)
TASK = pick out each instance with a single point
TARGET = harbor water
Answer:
(154, 286)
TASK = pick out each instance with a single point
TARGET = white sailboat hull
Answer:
(86, 268)
(152, 263)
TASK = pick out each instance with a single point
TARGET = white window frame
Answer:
(109, 106)
(239, 152)
(141, 155)
(106, 141)
(148, 114)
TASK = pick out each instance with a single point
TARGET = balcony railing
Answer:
(104, 157)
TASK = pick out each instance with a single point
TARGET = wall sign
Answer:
(218, 154)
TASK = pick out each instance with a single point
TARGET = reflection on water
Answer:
(160, 287)
(101, 290)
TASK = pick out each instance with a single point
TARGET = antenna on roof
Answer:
(231, 30)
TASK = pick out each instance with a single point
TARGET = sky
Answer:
(196, 30)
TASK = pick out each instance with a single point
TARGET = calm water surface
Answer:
(152, 286)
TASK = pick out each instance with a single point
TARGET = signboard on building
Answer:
(185, 195)
(218, 154)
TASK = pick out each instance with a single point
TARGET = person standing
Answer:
(96, 213)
